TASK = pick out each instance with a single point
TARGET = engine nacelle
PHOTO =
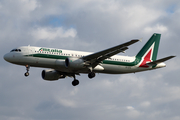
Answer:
(51, 75)
(74, 63)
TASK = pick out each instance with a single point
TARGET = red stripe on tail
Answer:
(147, 58)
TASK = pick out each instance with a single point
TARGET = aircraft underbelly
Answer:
(37, 62)
(114, 69)
(119, 69)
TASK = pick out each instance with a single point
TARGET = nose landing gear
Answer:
(27, 69)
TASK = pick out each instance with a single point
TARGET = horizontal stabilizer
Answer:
(159, 61)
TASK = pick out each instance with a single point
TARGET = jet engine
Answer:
(74, 63)
(52, 75)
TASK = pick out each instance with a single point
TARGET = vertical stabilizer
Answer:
(150, 50)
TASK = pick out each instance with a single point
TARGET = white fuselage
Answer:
(55, 59)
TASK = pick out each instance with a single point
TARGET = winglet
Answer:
(140, 39)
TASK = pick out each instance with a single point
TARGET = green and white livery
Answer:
(63, 63)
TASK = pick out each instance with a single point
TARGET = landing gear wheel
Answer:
(75, 82)
(26, 74)
(91, 75)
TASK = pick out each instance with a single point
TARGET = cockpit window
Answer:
(16, 50)
(12, 50)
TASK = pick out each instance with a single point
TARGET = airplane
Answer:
(62, 63)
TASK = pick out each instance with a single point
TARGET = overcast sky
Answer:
(90, 25)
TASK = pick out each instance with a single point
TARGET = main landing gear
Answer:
(91, 75)
(27, 69)
(75, 82)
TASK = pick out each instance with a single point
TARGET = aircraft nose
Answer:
(7, 57)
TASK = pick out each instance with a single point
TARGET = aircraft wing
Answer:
(159, 61)
(95, 58)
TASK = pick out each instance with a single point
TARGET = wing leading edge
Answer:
(95, 58)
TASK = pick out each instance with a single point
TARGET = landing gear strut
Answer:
(75, 81)
(27, 69)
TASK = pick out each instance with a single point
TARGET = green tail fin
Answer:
(150, 49)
